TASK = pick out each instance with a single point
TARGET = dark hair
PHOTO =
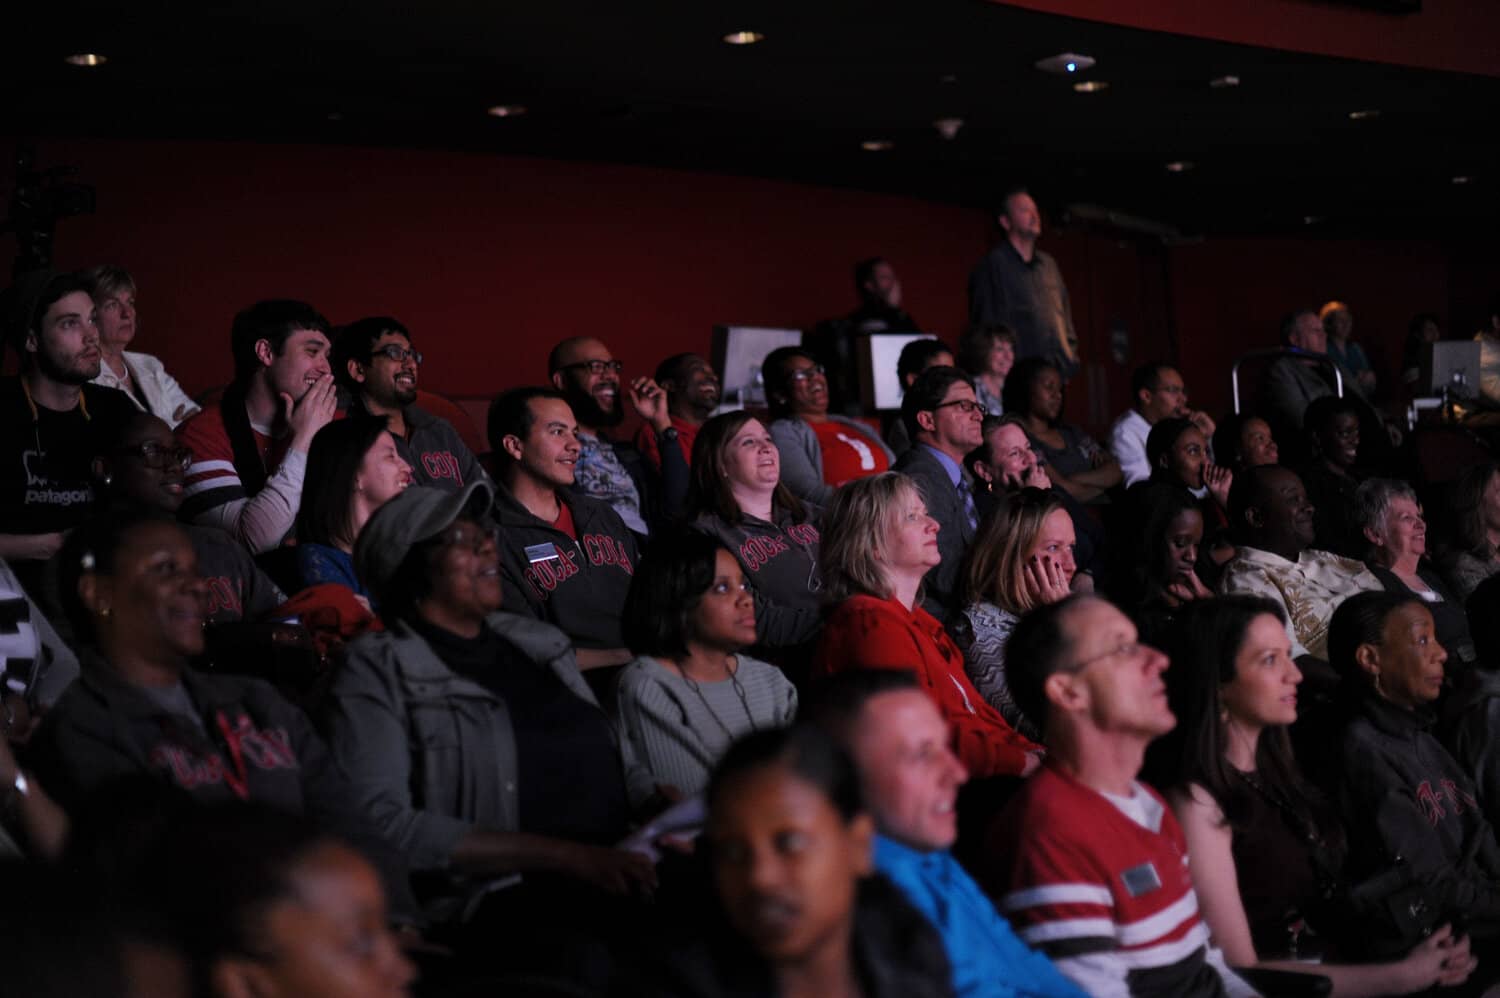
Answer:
(1005, 195)
(104, 278)
(1466, 506)
(927, 392)
(1360, 620)
(773, 371)
(1146, 378)
(1289, 323)
(273, 321)
(1035, 650)
(916, 355)
(1162, 438)
(1321, 412)
(673, 574)
(1247, 491)
(810, 753)
(671, 368)
(1016, 396)
(27, 315)
(1227, 438)
(91, 548)
(988, 425)
(511, 415)
(1149, 508)
(333, 461)
(835, 703)
(975, 344)
(356, 342)
(864, 271)
(708, 488)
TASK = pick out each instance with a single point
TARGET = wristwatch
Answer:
(670, 433)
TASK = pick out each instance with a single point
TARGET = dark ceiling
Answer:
(653, 83)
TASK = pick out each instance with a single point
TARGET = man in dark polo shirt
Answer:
(1019, 286)
(50, 418)
(374, 361)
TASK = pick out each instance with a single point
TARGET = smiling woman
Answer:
(819, 449)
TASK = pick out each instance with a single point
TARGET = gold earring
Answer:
(105, 612)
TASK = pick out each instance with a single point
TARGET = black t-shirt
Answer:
(46, 459)
(571, 782)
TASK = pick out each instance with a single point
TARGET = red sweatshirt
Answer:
(872, 633)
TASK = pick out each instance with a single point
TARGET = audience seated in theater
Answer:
(1263, 843)
(565, 558)
(375, 363)
(819, 449)
(468, 731)
(1338, 324)
(1293, 382)
(139, 375)
(911, 780)
(1395, 533)
(1005, 464)
(53, 419)
(1075, 462)
(693, 392)
(1272, 524)
(986, 354)
(738, 498)
(1022, 558)
(1162, 564)
(1425, 328)
(265, 904)
(1158, 394)
(916, 357)
(814, 921)
(1400, 792)
(1243, 440)
(142, 467)
(1178, 453)
(131, 587)
(587, 374)
(878, 545)
(691, 690)
(353, 468)
(1331, 474)
(945, 424)
(1087, 862)
(1469, 716)
(1472, 553)
(835, 342)
(250, 448)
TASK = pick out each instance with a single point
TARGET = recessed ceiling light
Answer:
(948, 127)
(1311, 219)
(1222, 82)
(1066, 62)
(1364, 115)
(1180, 166)
(744, 37)
(1090, 86)
(506, 110)
(334, 116)
(877, 145)
(948, 79)
(85, 59)
(1462, 179)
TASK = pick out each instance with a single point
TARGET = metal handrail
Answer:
(1322, 358)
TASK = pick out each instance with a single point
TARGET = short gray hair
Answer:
(1372, 501)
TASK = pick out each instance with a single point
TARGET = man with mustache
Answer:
(52, 420)
(587, 374)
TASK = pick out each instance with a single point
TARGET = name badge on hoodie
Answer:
(541, 552)
(1141, 880)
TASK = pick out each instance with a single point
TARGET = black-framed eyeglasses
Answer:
(160, 458)
(397, 353)
(966, 406)
(596, 367)
(804, 373)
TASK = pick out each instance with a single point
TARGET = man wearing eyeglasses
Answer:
(1089, 864)
(944, 420)
(51, 420)
(587, 374)
(374, 362)
(1158, 393)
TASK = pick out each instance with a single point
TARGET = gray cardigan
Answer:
(431, 753)
(802, 455)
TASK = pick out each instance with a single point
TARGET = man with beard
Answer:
(250, 450)
(374, 361)
(587, 374)
(692, 390)
(50, 420)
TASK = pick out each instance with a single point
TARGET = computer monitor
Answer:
(1450, 364)
(878, 353)
(738, 352)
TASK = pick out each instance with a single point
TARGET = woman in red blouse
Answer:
(878, 543)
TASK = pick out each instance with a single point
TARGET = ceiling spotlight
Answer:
(1462, 179)
(948, 127)
(948, 79)
(1090, 86)
(743, 37)
(1066, 62)
(1311, 219)
(334, 116)
(1223, 82)
(506, 110)
(85, 59)
(1180, 166)
(877, 145)
(1364, 115)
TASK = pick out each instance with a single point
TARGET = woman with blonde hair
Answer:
(878, 544)
(1021, 559)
